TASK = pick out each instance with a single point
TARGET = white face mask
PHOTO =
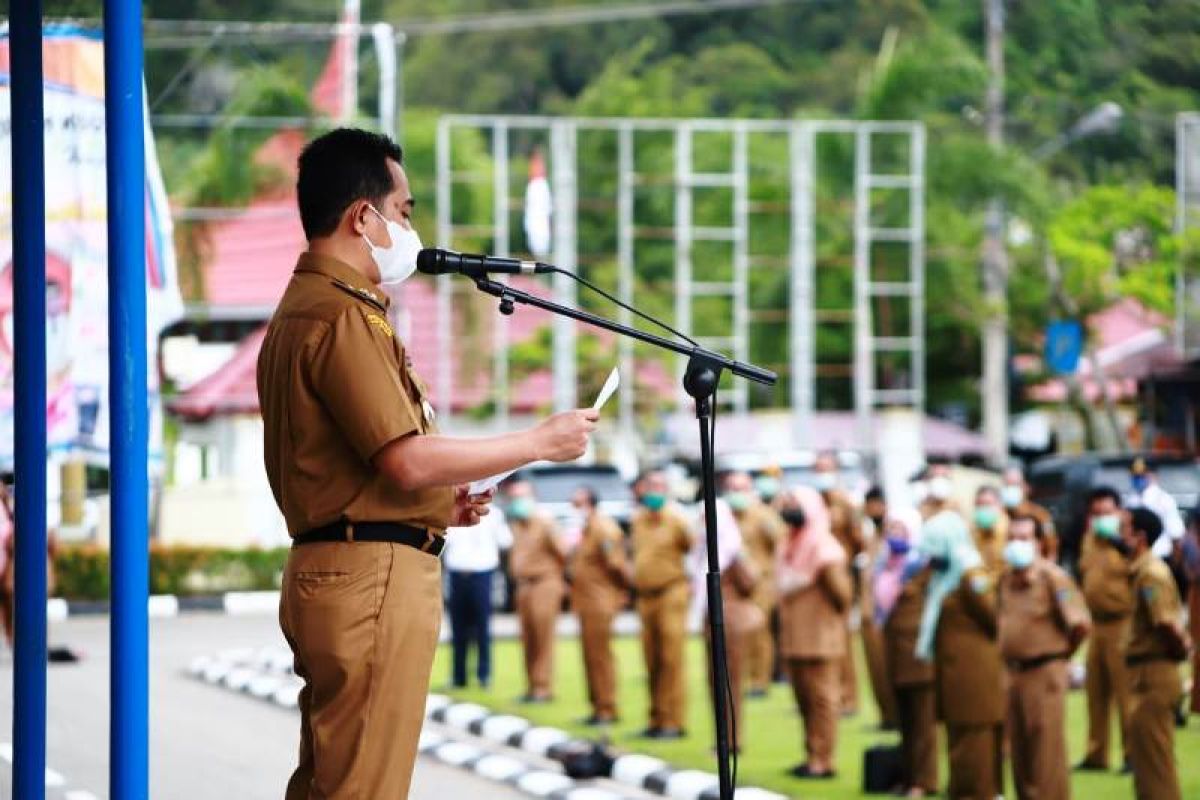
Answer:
(826, 481)
(399, 261)
(939, 488)
(1012, 495)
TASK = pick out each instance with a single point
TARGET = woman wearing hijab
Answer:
(815, 593)
(958, 634)
(900, 582)
(742, 617)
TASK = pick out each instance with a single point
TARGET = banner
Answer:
(76, 253)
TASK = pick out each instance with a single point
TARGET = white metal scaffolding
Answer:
(1187, 218)
(685, 233)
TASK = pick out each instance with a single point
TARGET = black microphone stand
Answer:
(700, 381)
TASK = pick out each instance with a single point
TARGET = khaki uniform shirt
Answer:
(812, 620)
(991, 545)
(536, 552)
(661, 540)
(598, 566)
(900, 634)
(1157, 603)
(762, 529)
(969, 672)
(1039, 607)
(1104, 573)
(844, 522)
(335, 386)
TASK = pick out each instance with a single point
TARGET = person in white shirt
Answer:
(471, 558)
(1148, 494)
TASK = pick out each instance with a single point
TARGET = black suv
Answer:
(1062, 483)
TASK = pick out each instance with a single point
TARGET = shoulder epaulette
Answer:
(361, 294)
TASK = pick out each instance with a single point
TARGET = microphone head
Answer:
(431, 261)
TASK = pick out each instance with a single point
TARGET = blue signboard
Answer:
(1064, 346)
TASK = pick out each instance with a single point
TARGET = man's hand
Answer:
(468, 509)
(564, 437)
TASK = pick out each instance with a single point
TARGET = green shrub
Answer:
(83, 572)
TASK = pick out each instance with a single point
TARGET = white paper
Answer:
(486, 484)
(610, 386)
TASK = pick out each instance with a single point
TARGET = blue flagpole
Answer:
(29, 311)
(129, 725)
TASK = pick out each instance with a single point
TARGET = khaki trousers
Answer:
(664, 632)
(595, 633)
(1156, 689)
(538, 604)
(815, 684)
(916, 716)
(881, 687)
(362, 620)
(1105, 685)
(760, 651)
(848, 675)
(1037, 732)
(976, 761)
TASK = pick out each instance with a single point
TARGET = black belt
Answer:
(396, 532)
(1026, 664)
(656, 592)
(1148, 658)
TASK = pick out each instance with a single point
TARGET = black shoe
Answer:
(596, 722)
(804, 771)
(535, 699)
(1085, 766)
(650, 733)
(1126, 768)
(670, 733)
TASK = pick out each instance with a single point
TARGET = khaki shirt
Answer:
(844, 523)
(661, 540)
(598, 566)
(1104, 573)
(812, 620)
(969, 675)
(900, 632)
(536, 551)
(335, 386)
(762, 529)
(1039, 607)
(1157, 603)
(990, 544)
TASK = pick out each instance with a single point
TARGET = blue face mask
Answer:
(1107, 527)
(521, 508)
(738, 501)
(986, 516)
(654, 501)
(898, 546)
(1019, 554)
(1140, 483)
(767, 487)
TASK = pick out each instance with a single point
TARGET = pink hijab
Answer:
(808, 550)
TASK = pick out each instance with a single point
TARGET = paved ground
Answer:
(205, 742)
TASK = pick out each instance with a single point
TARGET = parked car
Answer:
(797, 468)
(553, 484)
(1062, 483)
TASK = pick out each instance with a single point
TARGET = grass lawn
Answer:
(771, 725)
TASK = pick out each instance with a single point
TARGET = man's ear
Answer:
(355, 216)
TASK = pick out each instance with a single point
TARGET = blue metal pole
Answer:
(29, 311)
(129, 725)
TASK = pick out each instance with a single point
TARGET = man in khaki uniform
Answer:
(1104, 576)
(1043, 619)
(599, 577)
(1157, 643)
(1015, 496)
(762, 528)
(536, 561)
(847, 529)
(990, 529)
(365, 484)
(662, 538)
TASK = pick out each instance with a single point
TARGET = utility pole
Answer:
(995, 258)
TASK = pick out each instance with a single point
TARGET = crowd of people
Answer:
(967, 619)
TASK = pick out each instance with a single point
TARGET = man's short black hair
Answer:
(874, 493)
(1104, 493)
(338, 168)
(1038, 531)
(1147, 523)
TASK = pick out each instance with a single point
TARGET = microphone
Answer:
(434, 261)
